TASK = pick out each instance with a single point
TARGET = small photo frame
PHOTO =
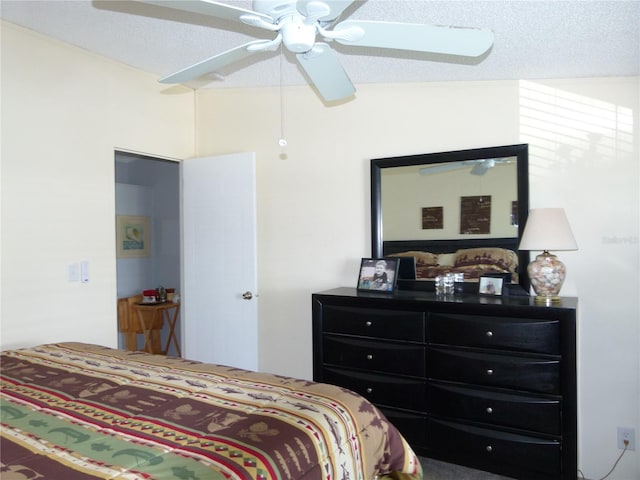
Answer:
(378, 274)
(490, 285)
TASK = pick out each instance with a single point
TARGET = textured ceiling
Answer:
(533, 39)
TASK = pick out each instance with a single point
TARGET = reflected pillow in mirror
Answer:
(499, 257)
(447, 259)
(422, 258)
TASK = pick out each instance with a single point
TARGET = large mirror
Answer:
(464, 210)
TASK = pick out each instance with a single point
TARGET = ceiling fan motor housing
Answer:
(297, 36)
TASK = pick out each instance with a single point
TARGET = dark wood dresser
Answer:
(486, 382)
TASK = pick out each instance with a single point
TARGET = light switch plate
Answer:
(84, 271)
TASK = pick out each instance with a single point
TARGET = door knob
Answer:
(247, 296)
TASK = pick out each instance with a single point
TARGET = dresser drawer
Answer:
(387, 390)
(518, 411)
(379, 323)
(406, 359)
(482, 446)
(521, 373)
(505, 333)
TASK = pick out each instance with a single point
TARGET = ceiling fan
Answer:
(478, 167)
(297, 24)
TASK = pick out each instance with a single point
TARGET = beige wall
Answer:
(64, 111)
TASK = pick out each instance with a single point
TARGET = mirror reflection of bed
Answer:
(472, 258)
(430, 207)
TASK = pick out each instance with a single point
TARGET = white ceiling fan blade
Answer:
(325, 71)
(214, 63)
(315, 11)
(464, 41)
(210, 8)
(336, 7)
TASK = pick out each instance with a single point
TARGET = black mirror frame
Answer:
(521, 151)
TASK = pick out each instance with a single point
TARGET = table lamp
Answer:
(547, 229)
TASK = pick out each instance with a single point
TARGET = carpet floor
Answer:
(436, 470)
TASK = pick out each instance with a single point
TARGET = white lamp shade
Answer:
(547, 229)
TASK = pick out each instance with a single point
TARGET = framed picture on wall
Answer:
(475, 214)
(133, 236)
(378, 274)
(432, 218)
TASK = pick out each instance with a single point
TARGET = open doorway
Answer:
(149, 187)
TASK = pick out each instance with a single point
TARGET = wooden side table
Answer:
(149, 316)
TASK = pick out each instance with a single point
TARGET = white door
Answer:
(219, 304)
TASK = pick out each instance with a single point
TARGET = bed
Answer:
(78, 411)
(472, 257)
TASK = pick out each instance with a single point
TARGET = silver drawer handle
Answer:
(368, 323)
(369, 357)
(369, 389)
(489, 333)
(489, 410)
(489, 448)
(489, 372)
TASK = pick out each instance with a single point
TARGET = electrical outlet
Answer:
(628, 434)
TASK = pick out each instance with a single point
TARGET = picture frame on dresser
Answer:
(491, 285)
(378, 274)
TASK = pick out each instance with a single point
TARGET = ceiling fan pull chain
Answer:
(282, 141)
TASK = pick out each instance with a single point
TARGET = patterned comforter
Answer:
(77, 411)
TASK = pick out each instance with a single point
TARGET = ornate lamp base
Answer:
(547, 275)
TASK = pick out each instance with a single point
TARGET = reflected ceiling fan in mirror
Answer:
(478, 167)
(298, 24)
